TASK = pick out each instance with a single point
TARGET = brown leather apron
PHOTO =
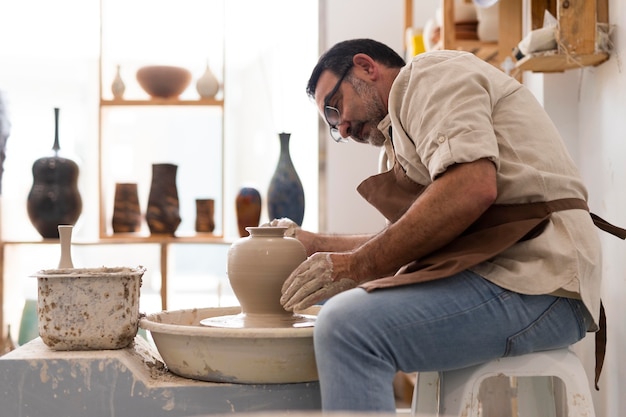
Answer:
(499, 228)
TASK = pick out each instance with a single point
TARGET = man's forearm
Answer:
(317, 242)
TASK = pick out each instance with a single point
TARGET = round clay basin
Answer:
(241, 355)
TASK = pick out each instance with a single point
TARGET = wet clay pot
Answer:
(258, 265)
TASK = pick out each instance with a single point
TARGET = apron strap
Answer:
(600, 345)
(608, 227)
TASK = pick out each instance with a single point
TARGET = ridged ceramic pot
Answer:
(126, 209)
(163, 213)
(258, 265)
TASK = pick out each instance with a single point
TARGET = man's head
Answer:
(350, 85)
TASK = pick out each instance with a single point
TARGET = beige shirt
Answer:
(449, 107)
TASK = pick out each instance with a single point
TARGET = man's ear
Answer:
(365, 66)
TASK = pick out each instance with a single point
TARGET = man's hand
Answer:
(284, 222)
(313, 281)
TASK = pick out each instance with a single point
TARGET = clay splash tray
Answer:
(260, 321)
(239, 355)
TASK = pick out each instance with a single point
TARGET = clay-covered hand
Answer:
(284, 222)
(313, 281)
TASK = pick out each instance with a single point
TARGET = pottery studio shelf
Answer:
(163, 102)
(581, 26)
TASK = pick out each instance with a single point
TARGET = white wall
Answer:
(589, 108)
(347, 164)
(600, 112)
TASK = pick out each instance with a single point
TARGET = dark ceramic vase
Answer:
(54, 198)
(163, 212)
(248, 206)
(205, 215)
(285, 197)
(126, 209)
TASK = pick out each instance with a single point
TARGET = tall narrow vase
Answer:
(163, 213)
(285, 197)
(54, 198)
(118, 87)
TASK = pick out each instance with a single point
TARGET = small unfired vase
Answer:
(258, 265)
(118, 87)
(207, 85)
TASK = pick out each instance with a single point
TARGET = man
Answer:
(490, 250)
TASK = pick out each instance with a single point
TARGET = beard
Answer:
(375, 111)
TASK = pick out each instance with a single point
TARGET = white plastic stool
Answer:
(458, 393)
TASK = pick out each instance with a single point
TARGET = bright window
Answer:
(49, 57)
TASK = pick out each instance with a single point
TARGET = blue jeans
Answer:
(362, 339)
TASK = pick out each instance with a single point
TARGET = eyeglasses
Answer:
(331, 114)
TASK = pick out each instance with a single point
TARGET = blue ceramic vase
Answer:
(285, 197)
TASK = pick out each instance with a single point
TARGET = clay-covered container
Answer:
(88, 308)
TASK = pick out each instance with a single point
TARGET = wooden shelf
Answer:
(200, 238)
(576, 33)
(163, 102)
(555, 62)
(495, 53)
(130, 238)
(487, 51)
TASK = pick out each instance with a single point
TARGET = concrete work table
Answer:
(132, 382)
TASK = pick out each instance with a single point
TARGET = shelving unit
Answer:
(577, 33)
(137, 108)
(509, 35)
(199, 151)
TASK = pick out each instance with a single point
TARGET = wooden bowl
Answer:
(163, 81)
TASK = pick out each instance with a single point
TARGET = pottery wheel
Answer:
(247, 321)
